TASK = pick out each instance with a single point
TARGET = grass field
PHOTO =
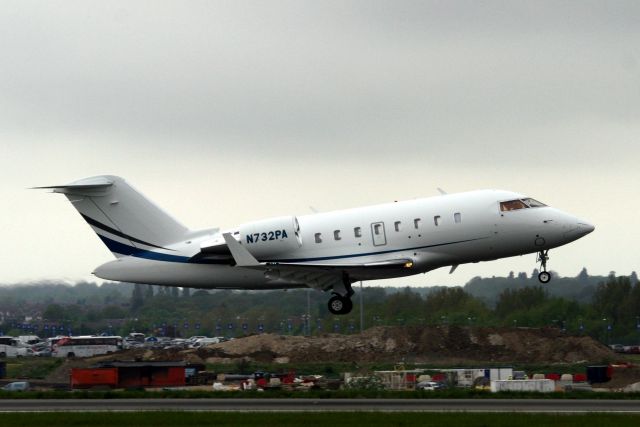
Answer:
(31, 367)
(370, 419)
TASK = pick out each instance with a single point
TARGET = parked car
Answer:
(17, 386)
(43, 353)
(200, 342)
(618, 348)
(429, 385)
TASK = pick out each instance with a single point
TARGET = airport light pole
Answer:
(307, 320)
(361, 309)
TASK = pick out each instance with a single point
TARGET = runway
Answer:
(323, 405)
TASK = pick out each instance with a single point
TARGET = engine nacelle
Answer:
(271, 237)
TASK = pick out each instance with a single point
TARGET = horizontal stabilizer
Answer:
(85, 184)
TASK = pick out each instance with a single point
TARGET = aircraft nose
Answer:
(585, 227)
(576, 228)
(580, 228)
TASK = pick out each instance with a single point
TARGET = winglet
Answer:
(241, 255)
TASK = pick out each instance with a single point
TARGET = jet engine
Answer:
(271, 237)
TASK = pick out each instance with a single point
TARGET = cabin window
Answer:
(397, 225)
(376, 229)
(336, 235)
(416, 223)
(436, 220)
(318, 237)
(457, 217)
(357, 231)
(513, 205)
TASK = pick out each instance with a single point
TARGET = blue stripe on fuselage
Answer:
(123, 249)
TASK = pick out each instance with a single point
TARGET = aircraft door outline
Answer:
(378, 234)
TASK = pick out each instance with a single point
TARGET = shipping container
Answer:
(130, 375)
(94, 377)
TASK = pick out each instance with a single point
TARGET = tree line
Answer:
(607, 309)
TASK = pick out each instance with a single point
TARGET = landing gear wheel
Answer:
(340, 305)
(544, 277)
(543, 257)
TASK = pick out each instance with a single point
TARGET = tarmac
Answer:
(324, 405)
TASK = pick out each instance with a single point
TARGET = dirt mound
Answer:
(453, 344)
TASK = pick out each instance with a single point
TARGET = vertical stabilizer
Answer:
(124, 219)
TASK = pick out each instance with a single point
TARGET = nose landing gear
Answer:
(543, 257)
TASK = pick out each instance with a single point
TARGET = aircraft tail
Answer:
(124, 219)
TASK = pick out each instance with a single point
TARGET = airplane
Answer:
(327, 251)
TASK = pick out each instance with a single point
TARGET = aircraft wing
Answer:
(315, 274)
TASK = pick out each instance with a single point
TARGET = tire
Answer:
(336, 304)
(3, 355)
(340, 305)
(544, 277)
(71, 355)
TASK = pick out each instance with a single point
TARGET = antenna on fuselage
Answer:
(441, 191)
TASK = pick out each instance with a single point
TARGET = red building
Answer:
(130, 375)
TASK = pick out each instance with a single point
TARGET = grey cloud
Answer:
(306, 77)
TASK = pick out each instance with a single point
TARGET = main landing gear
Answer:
(543, 257)
(340, 305)
(340, 302)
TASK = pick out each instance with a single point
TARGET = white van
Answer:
(12, 347)
(17, 386)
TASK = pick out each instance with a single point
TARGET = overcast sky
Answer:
(225, 112)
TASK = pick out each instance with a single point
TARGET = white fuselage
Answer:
(433, 232)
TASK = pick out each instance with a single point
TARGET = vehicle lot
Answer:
(433, 359)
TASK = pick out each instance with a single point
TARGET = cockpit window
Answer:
(512, 205)
(533, 203)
